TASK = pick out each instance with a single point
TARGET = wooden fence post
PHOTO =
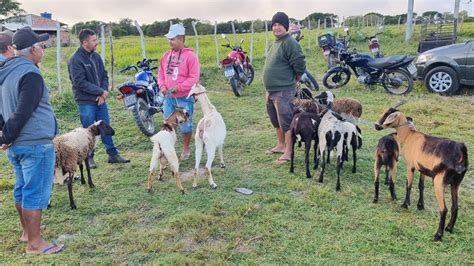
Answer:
(266, 38)
(112, 58)
(142, 38)
(102, 42)
(217, 43)
(309, 34)
(58, 54)
(251, 42)
(196, 37)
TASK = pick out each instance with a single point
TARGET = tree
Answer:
(9, 8)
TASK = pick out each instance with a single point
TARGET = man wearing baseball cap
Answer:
(284, 65)
(27, 135)
(6, 47)
(179, 70)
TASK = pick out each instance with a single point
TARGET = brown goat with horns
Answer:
(444, 160)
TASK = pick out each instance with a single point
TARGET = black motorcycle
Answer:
(142, 95)
(394, 73)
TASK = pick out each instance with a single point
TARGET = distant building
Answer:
(39, 24)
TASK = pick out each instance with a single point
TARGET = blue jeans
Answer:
(91, 113)
(183, 102)
(34, 170)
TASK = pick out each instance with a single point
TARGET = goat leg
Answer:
(354, 158)
(421, 188)
(454, 207)
(178, 181)
(307, 148)
(211, 152)
(323, 166)
(292, 155)
(387, 177)
(410, 173)
(89, 176)
(376, 180)
(391, 180)
(439, 192)
(338, 172)
(83, 181)
(150, 181)
(316, 140)
(69, 189)
(221, 155)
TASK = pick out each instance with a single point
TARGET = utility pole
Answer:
(409, 29)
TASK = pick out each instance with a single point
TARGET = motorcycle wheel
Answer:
(250, 73)
(236, 86)
(397, 82)
(334, 80)
(310, 82)
(145, 122)
(303, 94)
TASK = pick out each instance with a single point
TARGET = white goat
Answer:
(210, 133)
(164, 148)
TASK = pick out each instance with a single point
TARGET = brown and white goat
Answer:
(164, 148)
(72, 149)
(444, 160)
(350, 109)
(386, 154)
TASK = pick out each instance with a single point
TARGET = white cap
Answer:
(175, 30)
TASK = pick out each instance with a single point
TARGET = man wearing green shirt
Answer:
(284, 65)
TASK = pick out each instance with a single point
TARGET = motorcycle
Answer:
(374, 45)
(332, 45)
(307, 82)
(237, 67)
(142, 95)
(394, 73)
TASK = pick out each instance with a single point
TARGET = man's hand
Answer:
(105, 94)
(100, 100)
(4, 147)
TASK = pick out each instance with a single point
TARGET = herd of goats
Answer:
(328, 122)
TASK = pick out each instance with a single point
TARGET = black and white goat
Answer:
(304, 128)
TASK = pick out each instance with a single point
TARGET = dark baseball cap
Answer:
(26, 37)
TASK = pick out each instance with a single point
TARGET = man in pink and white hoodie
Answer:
(179, 70)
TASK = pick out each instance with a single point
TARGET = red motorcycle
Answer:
(374, 45)
(237, 67)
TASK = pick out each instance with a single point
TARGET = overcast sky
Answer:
(147, 11)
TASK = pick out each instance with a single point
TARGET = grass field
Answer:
(289, 219)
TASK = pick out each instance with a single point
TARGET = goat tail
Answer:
(462, 163)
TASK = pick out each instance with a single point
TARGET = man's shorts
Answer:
(280, 108)
(170, 105)
(34, 170)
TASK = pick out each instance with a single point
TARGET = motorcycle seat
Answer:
(137, 83)
(386, 61)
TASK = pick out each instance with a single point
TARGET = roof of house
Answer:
(37, 23)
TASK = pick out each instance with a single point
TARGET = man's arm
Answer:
(194, 72)
(296, 58)
(30, 92)
(79, 80)
(104, 83)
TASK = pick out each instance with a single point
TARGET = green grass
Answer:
(289, 219)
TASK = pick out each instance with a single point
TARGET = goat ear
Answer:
(391, 118)
(410, 119)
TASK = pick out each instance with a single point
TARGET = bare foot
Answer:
(45, 248)
(277, 149)
(184, 155)
(24, 237)
(283, 159)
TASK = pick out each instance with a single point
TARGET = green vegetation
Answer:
(289, 219)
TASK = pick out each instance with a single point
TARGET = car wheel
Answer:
(442, 80)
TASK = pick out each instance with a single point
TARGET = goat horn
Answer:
(402, 102)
